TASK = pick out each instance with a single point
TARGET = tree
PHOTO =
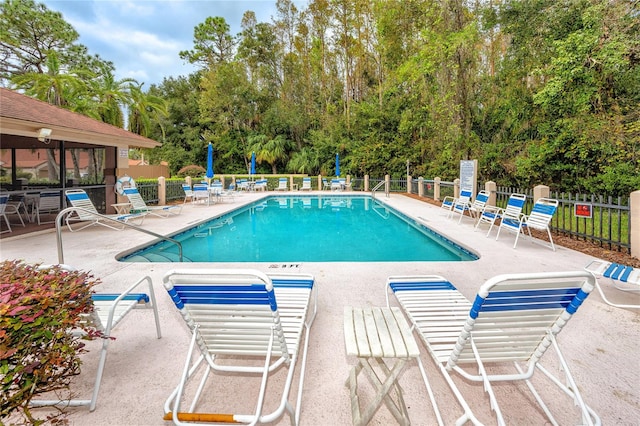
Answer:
(212, 43)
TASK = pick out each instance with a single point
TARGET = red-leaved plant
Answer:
(39, 353)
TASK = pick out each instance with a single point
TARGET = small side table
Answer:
(373, 335)
(122, 208)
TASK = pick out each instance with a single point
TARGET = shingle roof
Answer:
(22, 116)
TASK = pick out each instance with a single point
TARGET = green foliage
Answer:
(193, 171)
(38, 351)
(539, 91)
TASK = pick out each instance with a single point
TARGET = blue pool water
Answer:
(308, 229)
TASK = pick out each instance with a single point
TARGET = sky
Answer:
(143, 37)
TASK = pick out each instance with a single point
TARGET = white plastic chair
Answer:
(513, 210)
(138, 205)
(306, 184)
(245, 323)
(622, 277)
(539, 219)
(500, 337)
(88, 213)
(109, 310)
(282, 184)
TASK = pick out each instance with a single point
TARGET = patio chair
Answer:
(539, 219)
(336, 185)
(48, 203)
(306, 184)
(15, 204)
(109, 310)
(282, 185)
(188, 193)
(221, 195)
(10, 207)
(325, 185)
(201, 193)
(623, 277)
(260, 185)
(475, 208)
(138, 205)
(513, 210)
(461, 204)
(88, 213)
(501, 337)
(243, 323)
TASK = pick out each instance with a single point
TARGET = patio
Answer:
(600, 343)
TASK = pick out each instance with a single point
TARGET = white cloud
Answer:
(143, 38)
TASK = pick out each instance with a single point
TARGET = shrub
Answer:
(38, 351)
(194, 171)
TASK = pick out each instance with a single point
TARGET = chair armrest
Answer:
(124, 296)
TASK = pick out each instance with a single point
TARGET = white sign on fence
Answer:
(469, 176)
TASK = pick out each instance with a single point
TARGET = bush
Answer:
(38, 351)
(193, 171)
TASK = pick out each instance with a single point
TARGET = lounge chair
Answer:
(109, 310)
(513, 210)
(87, 212)
(48, 203)
(325, 185)
(623, 277)
(306, 184)
(243, 323)
(539, 219)
(138, 205)
(501, 337)
(282, 185)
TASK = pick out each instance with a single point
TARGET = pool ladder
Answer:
(71, 210)
(378, 186)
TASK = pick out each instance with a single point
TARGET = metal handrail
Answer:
(375, 188)
(70, 210)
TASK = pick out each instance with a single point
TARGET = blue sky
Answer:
(143, 37)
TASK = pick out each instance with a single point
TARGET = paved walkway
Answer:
(601, 342)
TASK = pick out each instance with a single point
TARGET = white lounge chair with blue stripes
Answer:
(306, 184)
(539, 219)
(623, 277)
(449, 202)
(282, 184)
(501, 336)
(138, 205)
(513, 210)
(88, 213)
(108, 310)
(243, 323)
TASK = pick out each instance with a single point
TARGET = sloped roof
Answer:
(21, 117)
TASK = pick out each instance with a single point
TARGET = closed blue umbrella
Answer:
(253, 163)
(337, 165)
(210, 161)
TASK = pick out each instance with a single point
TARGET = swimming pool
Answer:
(310, 228)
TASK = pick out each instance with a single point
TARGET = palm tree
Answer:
(56, 88)
(145, 110)
(270, 150)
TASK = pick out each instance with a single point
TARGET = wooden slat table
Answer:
(383, 343)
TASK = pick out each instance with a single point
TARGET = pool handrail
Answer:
(70, 210)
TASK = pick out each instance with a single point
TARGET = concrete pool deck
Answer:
(601, 343)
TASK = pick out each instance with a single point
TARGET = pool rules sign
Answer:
(469, 175)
